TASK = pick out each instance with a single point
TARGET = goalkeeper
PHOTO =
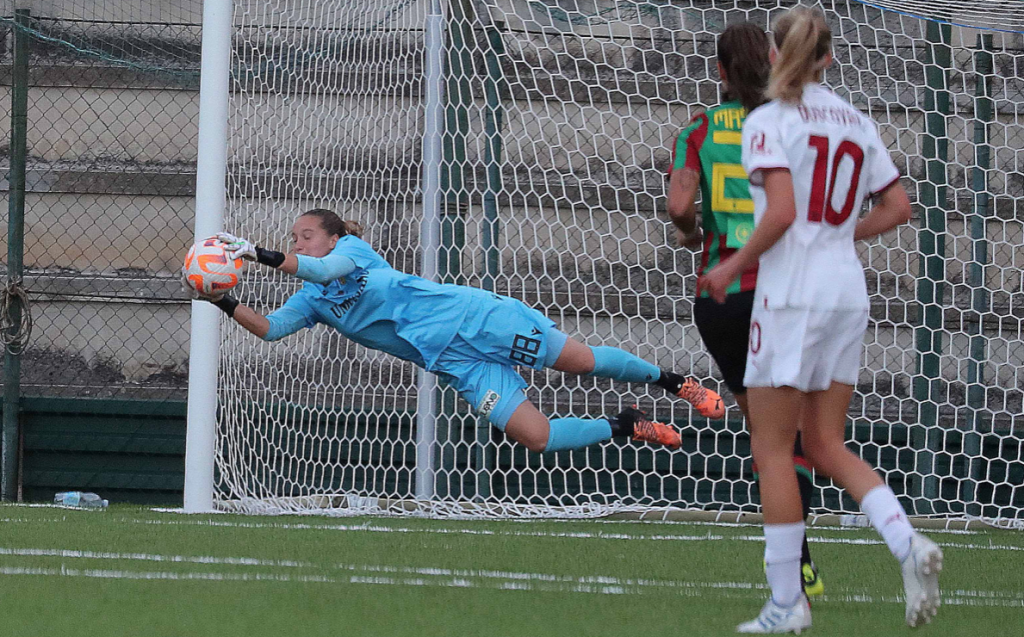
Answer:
(471, 338)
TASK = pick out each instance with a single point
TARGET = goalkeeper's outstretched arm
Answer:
(244, 315)
(295, 314)
(315, 269)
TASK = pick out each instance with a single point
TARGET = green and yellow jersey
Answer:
(712, 144)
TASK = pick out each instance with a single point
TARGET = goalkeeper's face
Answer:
(309, 237)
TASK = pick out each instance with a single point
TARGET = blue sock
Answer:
(576, 433)
(617, 364)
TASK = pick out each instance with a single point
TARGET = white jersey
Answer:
(836, 159)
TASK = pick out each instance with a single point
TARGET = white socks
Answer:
(783, 544)
(889, 519)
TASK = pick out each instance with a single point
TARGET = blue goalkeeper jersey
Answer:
(382, 308)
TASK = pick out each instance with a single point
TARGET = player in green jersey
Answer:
(707, 158)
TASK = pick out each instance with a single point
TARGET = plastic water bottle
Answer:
(80, 500)
(854, 520)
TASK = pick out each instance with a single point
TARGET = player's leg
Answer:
(813, 584)
(495, 390)
(725, 330)
(774, 413)
(824, 434)
(920, 559)
(824, 441)
(480, 362)
(611, 362)
(528, 426)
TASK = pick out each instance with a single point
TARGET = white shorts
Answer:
(805, 349)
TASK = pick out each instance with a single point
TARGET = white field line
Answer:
(374, 568)
(579, 535)
(445, 578)
(600, 521)
(436, 571)
(426, 570)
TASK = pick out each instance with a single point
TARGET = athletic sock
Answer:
(576, 433)
(620, 365)
(670, 381)
(806, 492)
(782, 555)
(803, 475)
(806, 486)
(624, 424)
(889, 519)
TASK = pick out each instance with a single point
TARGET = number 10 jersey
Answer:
(836, 159)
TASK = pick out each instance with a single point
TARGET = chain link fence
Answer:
(112, 116)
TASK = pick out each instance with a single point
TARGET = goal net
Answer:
(521, 146)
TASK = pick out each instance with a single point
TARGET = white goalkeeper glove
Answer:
(194, 294)
(237, 247)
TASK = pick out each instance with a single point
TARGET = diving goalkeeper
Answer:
(471, 338)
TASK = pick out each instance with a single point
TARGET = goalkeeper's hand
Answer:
(237, 247)
(194, 294)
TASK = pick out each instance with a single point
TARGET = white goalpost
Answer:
(520, 146)
(211, 171)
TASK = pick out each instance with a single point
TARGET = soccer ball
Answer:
(208, 269)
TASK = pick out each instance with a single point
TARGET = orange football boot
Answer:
(645, 430)
(704, 400)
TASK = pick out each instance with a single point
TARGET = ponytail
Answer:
(353, 228)
(803, 39)
(743, 52)
(333, 225)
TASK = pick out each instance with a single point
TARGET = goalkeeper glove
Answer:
(239, 248)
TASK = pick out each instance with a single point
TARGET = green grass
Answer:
(130, 571)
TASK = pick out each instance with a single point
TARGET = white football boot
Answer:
(776, 619)
(921, 569)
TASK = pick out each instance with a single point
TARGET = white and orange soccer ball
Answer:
(209, 270)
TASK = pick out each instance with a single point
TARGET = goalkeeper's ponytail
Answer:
(332, 223)
(353, 228)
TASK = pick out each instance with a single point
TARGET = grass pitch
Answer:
(132, 571)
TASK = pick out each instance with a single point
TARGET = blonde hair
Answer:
(803, 39)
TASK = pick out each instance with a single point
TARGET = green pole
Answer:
(980, 295)
(458, 70)
(15, 251)
(493, 121)
(931, 292)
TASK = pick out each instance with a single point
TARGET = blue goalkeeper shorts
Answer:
(480, 362)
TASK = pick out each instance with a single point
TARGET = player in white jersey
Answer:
(813, 160)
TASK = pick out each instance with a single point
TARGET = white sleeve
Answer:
(880, 171)
(762, 148)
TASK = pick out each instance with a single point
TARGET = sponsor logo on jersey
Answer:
(489, 402)
(757, 144)
(340, 309)
(743, 232)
